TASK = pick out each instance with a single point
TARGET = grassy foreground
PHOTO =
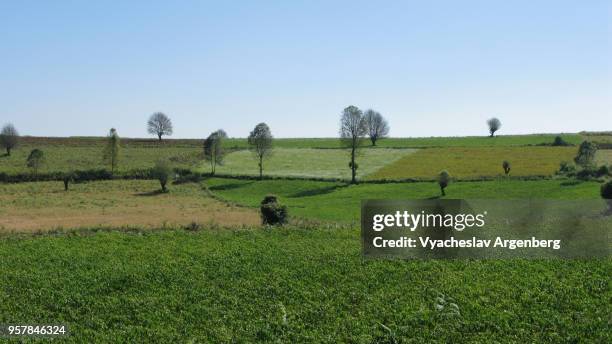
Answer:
(290, 285)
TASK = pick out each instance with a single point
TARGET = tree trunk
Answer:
(373, 139)
(353, 163)
(261, 167)
(66, 185)
(159, 137)
(8, 151)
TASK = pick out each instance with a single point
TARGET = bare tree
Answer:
(159, 124)
(213, 149)
(352, 131)
(377, 125)
(260, 141)
(494, 125)
(111, 151)
(9, 137)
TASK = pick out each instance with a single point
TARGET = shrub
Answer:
(162, 171)
(586, 174)
(272, 212)
(443, 181)
(559, 141)
(506, 167)
(606, 193)
(566, 168)
(603, 171)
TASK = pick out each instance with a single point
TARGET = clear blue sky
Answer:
(433, 68)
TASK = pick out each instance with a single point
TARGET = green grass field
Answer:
(290, 285)
(153, 281)
(66, 158)
(308, 162)
(604, 157)
(475, 162)
(330, 201)
(83, 153)
(420, 142)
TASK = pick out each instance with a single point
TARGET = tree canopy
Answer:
(260, 143)
(159, 124)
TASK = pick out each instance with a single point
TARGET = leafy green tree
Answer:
(111, 151)
(606, 194)
(586, 155)
(506, 166)
(494, 125)
(9, 137)
(213, 149)
(444, 179)
(68, 178)
(162, 171)
(35, 160)
(260, 143)
(353, 129)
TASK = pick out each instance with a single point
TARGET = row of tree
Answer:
(377, 127)
(355, 126)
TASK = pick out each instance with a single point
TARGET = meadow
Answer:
(67, 158)
(118, 261)
(317, 158)
(604, 157)
(119, 203)
(476, 162)
(341, 202)
(308, 162)
(290, 285)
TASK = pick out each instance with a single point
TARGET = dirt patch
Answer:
(40, 206)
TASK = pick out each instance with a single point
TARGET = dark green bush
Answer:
(444, 179)
(272, 212)
(559, 141)
(567, 168)
(603, 171)
(506, 166)
(586, 174)
(606, 193)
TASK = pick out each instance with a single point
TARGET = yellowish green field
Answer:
(309, 162)
(474, 162)
(119, 203)
(604, 157)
